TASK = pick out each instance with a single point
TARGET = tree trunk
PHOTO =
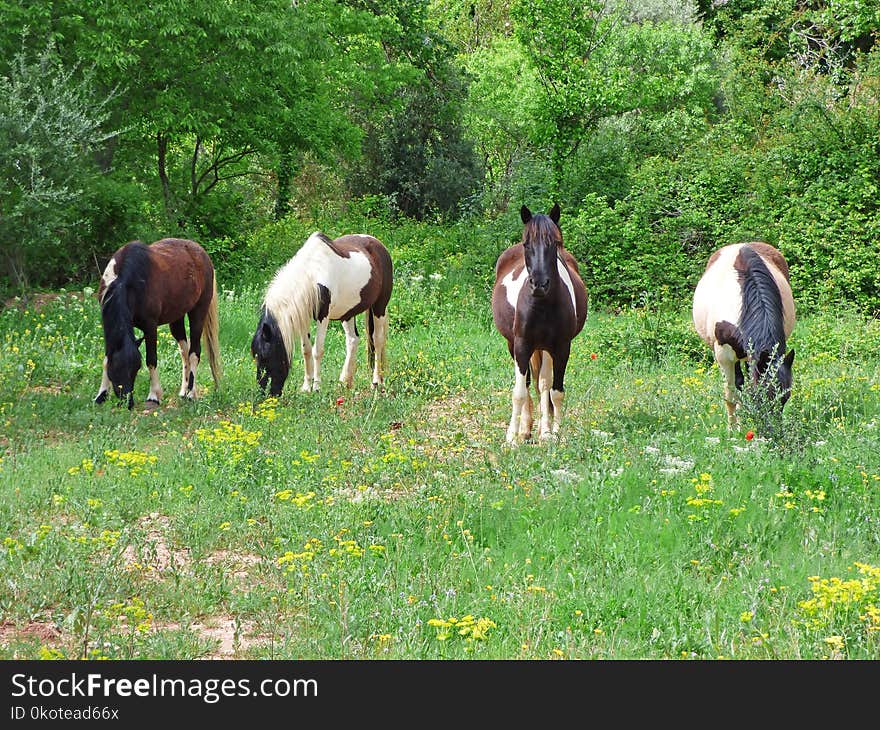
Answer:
(285, 178)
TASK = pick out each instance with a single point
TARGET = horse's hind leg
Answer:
(106, 385)
(196, 322)
(178, 332)
(308, 362)
(151, 337)
(380, 339)
(346, 376)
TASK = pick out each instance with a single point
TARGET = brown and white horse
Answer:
(744, 310)
(147, 286)
(539, 304)
(325, 280)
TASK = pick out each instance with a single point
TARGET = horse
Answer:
(145, 286)
(539, 304)
(744, 310)
(325, 280)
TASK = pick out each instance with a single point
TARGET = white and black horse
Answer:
(744, 310)
(325, 280)
(539, 304)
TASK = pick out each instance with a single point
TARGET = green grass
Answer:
(400, 525)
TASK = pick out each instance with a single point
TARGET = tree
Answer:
(50, 122)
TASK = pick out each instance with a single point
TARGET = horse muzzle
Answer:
(539, 291)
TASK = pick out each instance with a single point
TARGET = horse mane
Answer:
(130, 283)
(761, 321)
(292, 295)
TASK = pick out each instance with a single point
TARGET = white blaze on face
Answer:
(352, 275)
(513, 285)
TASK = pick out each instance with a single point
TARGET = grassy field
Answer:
(351, 524)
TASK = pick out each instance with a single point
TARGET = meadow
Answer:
(353, 524)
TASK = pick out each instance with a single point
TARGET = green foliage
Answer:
(416, 153)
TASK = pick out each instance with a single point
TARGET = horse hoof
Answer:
(101, 397)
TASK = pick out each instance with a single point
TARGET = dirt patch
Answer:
(38, 300)
(46, 633)
(153, 556)
(232, 636)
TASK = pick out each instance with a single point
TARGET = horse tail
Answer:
(371, 345)
(211, 332)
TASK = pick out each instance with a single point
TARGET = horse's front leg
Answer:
(151, 338)
(346, 377)
(320, 334)
(726, 359)
(558, 364)
(308, 362)
(178, 332)
(105, 386)
(543, 367)
(521, 401)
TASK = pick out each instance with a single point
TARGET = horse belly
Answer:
(352, 277)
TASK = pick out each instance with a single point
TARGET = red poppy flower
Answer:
(750, 435)
(593, 356)
(340, 401)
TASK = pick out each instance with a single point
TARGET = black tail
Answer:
(371, 346)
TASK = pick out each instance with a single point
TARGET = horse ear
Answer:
(525, 214)
(763, 360)
(789, 359)
(266, 332)
(554, 214)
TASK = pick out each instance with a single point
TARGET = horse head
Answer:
(270, 353)
(541, 241)
(123, 364)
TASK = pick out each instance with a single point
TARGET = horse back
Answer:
(718, 294)
(375, 293)
(180, 279)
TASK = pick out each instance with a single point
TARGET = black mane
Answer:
(761, 322)
(129, 285)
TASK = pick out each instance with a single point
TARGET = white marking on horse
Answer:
(513, 285)
(345, 290)
(566, 279)
(109, 275)
(718, 295)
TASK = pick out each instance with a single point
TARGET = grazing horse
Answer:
(744, 310)
(539, 304)
(147, 286)
(325, 280)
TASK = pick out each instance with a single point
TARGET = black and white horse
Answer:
(539, 304)
(744, 310)
(325, 280)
